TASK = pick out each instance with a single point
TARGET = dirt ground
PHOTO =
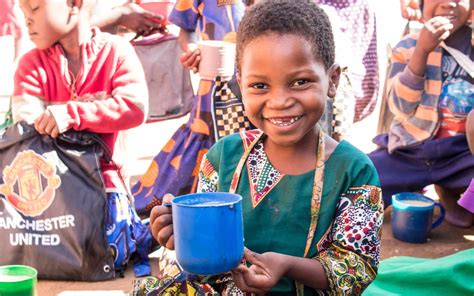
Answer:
(445, 240)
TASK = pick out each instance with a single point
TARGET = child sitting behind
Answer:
(82, 79)
(311, 206)
(430, 94)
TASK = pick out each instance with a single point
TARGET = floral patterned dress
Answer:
(337, 223)
(333, 214)
(175, 169)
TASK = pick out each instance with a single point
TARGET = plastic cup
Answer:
(217, 59)
(412, 217)
(208, 232)
(18, 280)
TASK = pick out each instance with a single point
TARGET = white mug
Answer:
(217, 59)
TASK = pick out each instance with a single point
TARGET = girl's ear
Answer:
(334, 73)
(239, 80)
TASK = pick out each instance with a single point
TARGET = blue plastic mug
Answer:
(208, 232)
(412, 217)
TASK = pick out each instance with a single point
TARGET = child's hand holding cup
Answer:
(191, 57)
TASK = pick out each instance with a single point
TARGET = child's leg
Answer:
(455, 214)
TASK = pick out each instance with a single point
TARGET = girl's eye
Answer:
(259, 86)
(300, 82)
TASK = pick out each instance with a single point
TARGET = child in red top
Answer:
(82, 79)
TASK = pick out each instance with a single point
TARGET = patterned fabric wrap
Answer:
(170, 279)
(214, 19)
(227, 111)
(127, 235)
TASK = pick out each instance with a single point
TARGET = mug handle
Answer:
(441, 217)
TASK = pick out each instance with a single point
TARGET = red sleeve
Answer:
(126, 108)
(28, 92)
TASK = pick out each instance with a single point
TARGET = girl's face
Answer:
(284, 87)
(48, 21)
(457, 11)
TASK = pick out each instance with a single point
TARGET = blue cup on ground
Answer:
(208, 232)
(412, 217)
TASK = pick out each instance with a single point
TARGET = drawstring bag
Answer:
(169, 84)
(54, 210)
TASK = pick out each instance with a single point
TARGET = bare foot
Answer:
(455, 214)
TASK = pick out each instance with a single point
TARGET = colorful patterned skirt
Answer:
(175, 169)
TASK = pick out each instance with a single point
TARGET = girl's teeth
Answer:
(280, 122)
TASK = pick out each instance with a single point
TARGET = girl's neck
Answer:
(72, 43)
(294, 159)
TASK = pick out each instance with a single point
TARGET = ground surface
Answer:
(444, 241)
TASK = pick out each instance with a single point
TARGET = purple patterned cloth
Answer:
(357, 19)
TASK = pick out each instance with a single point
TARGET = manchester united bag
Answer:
(53, 205)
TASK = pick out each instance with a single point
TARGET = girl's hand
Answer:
(264, 273)
(191, 57)
(434, 31)
(161, 223)
(45, 124)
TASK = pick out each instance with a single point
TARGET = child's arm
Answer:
(406, 80)
(131, 16)
(125, 108)
(433, 32)
(27, 101)
(191, 56)
(186, 15)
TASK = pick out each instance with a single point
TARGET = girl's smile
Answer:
(284, 121)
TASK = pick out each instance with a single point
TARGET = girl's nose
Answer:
(280, 100)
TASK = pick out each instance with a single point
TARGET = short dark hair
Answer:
(299, 17)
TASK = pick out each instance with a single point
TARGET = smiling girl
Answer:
(311, 206)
